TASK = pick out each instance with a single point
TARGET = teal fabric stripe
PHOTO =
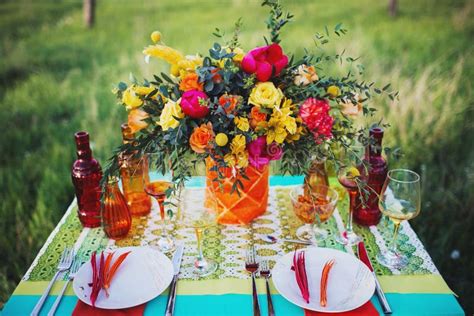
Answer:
(199, 182)
(235, 304)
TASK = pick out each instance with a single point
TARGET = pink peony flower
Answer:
(260, 154)
(190, 104)
(274, 151)
(315, 114)
(257, 152)
(262, 61)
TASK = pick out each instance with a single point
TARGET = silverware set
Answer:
(67, 262)
(253, 266)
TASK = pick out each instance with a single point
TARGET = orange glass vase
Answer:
(230, 207)
(116, 217)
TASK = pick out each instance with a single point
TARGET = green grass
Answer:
(56, 78)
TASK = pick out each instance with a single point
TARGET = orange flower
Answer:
(136, 119)
(190, 82)
(201, 138)
(216, 77)
(256, 116)
(229, 102)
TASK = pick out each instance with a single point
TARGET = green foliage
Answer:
(56, 77)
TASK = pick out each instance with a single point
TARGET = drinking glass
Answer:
(399, 200)
(157, 188)
(350, 174)
(313, 208)
(199, 215)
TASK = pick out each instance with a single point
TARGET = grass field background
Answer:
(56, 77)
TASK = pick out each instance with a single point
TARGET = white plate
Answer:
(350, 283)
(144, 275)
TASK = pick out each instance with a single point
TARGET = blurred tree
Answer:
(392, 7)
(89, 12)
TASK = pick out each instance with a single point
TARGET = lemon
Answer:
(221, 139)
(352, 173)
(156, 36)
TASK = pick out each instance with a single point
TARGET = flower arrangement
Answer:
(245, 109)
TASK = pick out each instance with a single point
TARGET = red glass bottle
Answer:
(86, 174)
(131, 172)
(116, 216)
(368, 213)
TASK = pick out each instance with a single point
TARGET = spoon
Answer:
(273, 240)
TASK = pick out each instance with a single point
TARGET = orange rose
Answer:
(190, 82)
(256, 116)
(201, 138)
(136, 119)
(229, 102)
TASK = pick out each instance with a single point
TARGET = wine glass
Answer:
(199, 215)
(399, 200)
(313, 208)
(158, 188)
(350, 175)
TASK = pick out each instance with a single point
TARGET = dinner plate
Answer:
(350, 283)
(144, 275)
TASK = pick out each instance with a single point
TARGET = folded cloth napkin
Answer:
(82, 309)
(368, 309)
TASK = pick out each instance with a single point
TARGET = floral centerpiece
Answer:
(239, 110)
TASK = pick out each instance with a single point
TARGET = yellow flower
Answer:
(305, 75)
(221, 139)
(131, 99)
(142, 90)
(230, 159)
(333, 91)
(240, 159)
(299, 131)
(281, 123)
(238, 144)
(186, 65)
(155, 36)
(265, 94)
(168, 54)
(167, 117)
(242, 123)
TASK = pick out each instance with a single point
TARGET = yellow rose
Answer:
(238, 144)
(221, 139)
(167, 117)
(242, 123)
(131, 99)
(266, 94)
(155, 36)
(333, 91)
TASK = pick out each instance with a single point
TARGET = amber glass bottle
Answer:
(131, 170)
(116, 215)
(317, 177)
(86, 174)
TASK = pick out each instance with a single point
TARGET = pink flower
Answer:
(274, 151)
(315, 114)
(191, 104)
(257, 152)
(262, 61)
(260, 154)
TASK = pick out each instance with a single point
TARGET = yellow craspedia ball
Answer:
(333, 91)
(156, 36)
(221, 139)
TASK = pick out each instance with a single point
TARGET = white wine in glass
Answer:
(400, 200)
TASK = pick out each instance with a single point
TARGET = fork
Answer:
(251, 265)
(265, 272)
(72, 273)
(63, 265)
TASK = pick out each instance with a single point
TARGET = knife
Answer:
(363, 256)
(178, 254)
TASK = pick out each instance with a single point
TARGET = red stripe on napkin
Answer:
(368, 309)
(83, 309)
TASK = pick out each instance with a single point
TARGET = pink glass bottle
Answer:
(86, 174)
(369, 214)
(116, 216)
